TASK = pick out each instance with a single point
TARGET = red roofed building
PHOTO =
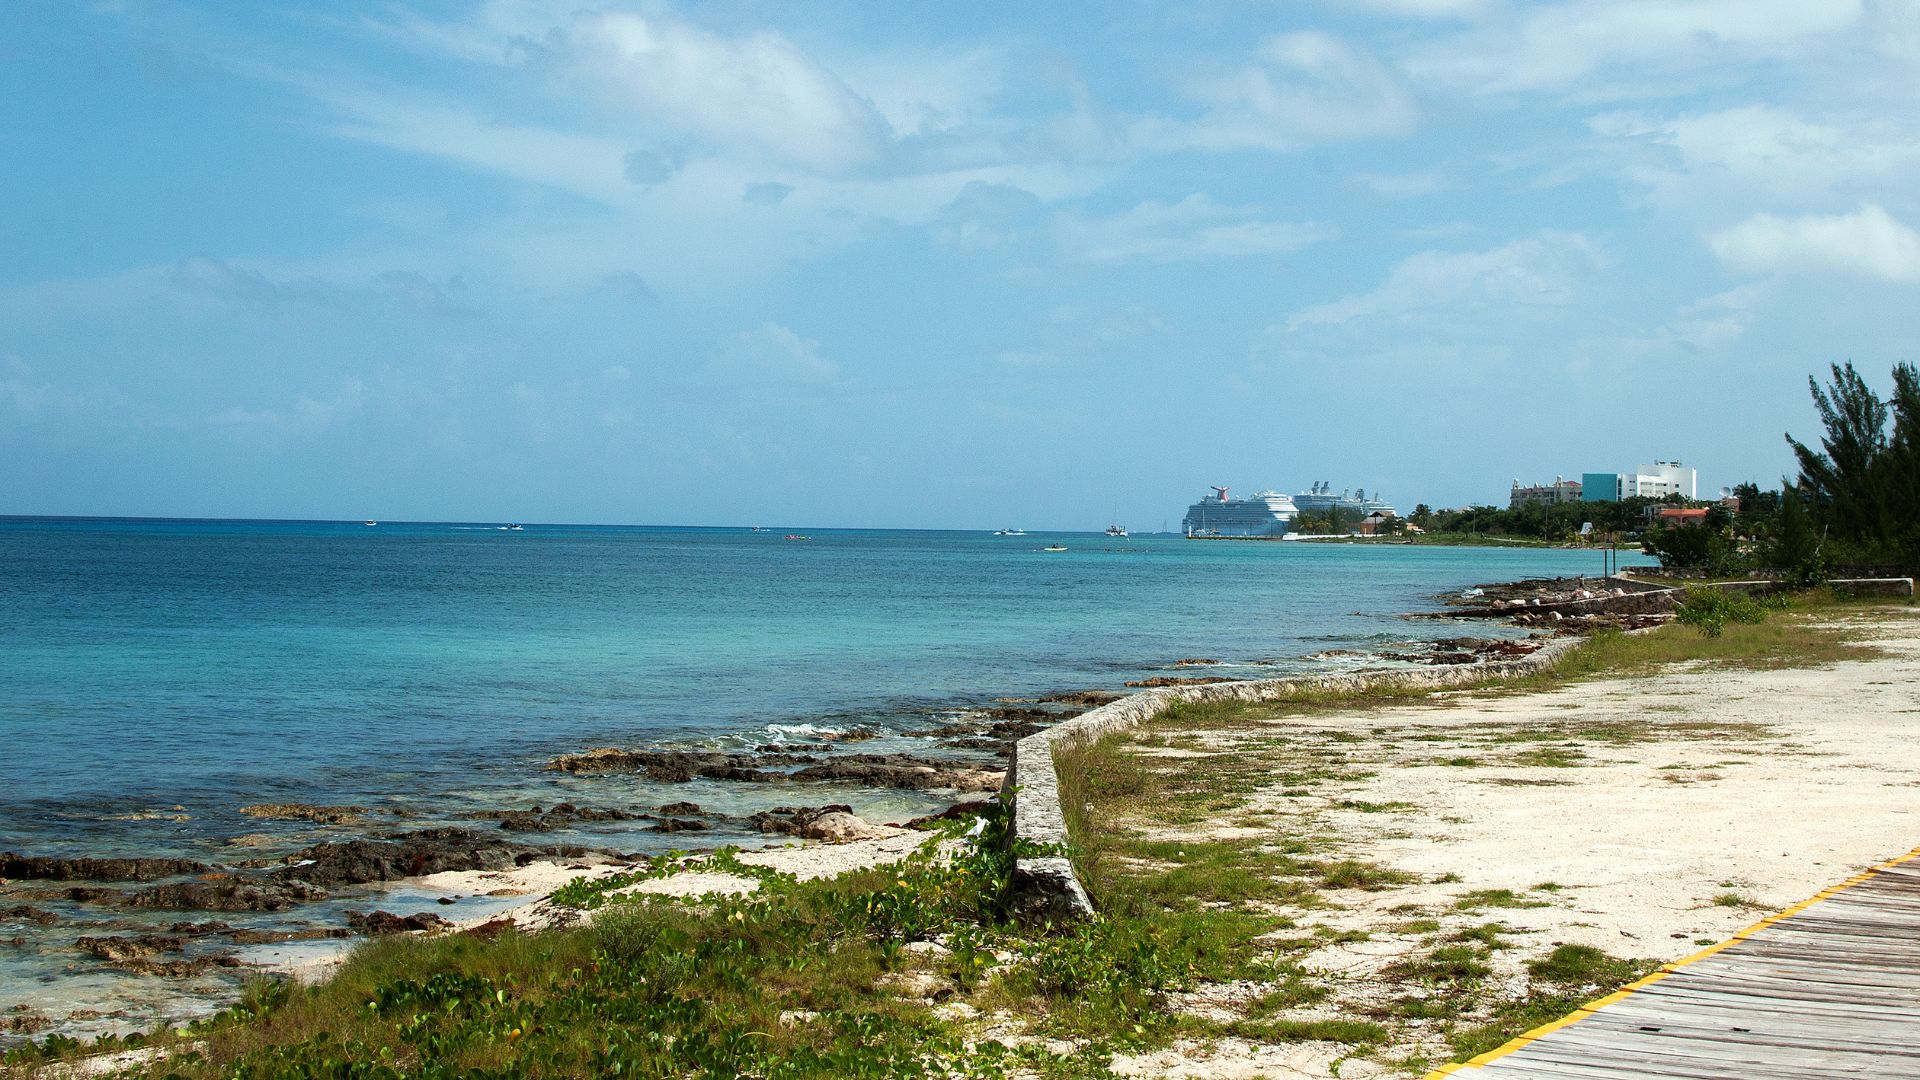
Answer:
(1680, 515)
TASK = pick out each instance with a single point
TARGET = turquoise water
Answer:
(156, 676)
(202, 665)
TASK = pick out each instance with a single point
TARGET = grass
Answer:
(1495, 898)
(657, 987)
(718, 987)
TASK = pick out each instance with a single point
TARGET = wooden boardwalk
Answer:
(1827, 988)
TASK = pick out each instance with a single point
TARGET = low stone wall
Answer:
(1045, 888)
(1849, 586)
(1884, 586)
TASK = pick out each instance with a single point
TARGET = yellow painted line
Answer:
(1584, 1011)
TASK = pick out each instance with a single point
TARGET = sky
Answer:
(932, 265)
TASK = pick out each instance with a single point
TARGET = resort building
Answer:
(1660, 480)
(1560, 491)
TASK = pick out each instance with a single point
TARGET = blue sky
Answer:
(932, 265)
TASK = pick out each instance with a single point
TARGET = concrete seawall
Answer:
(1045, 888)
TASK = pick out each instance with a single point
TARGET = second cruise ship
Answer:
(1266, 514)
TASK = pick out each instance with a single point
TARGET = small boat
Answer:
(796, 536)
(370, 522)
(1054, 547)
(510, 527)
(1009, 532)
(1119, 531)
(761, 528)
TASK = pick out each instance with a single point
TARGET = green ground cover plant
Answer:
(805, 979)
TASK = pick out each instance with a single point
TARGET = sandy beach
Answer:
(1646, 816)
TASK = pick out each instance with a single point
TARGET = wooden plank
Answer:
(1831, 990)
(1620, 1047)
(1620, 1063)
(1696, 1029)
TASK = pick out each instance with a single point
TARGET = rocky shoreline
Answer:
(149, 916)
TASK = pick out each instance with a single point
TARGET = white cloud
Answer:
(1760, 148)
(1583, 43)
(1301, 87)
(1719, 319)
(594, 167)
(758, 92)
(1195, 228)
(1406, 185)
(204, 276)
(306, 416)
(774, 352)
(1869, 242)
(986, 215)
(1547, 269)
(25, 394)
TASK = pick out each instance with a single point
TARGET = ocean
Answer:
(157, 676)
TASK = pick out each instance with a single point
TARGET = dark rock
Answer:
(673, 825)
(492, 928)
(1195, 661)
(679, 766)
(325, 815)
(23, 1022)
(956, 812)
(30, 914)
(87, 894)
(385, 922)
(560, 817)
(681, 809)
(186, 968)
(791, 819)
(795, 748)
(904, 771)
(275, 937)
(834, 823)
(428, 851)
(1176, 680)
(230, 894)
(1091, 699)
(122, 949)
(49, 868)
(199, 929)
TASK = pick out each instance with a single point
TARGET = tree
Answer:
(1796, 543)
(1840, 482)
(1422, 513)
(1862, 487)
(1708, 546)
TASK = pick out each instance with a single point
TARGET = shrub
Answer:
(1711, 609)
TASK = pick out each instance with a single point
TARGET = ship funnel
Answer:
(1221, 492)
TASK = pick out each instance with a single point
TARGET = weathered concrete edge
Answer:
(1045, 887)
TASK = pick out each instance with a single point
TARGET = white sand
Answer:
(1641, 836)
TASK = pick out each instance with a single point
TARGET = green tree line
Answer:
(1856, 501)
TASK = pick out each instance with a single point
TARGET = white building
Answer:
(1662, 479)
(1659, 480)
